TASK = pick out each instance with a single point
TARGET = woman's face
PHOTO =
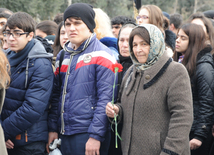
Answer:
(198, 21)
(182, 42)
(123, 42)
(63, 36)
(143, 17)
(140, 49)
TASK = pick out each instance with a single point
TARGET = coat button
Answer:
(147, 77)
(204, 127)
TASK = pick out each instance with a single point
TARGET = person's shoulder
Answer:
(205, 56)
(177, 68)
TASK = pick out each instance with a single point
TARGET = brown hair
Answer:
(47, 26)
(21, 20)
(207, 23)
(197, 40)
(155, 15)
(56, 46)
(141, 32)
(4, 70)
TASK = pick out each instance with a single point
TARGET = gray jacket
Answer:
(156, 108)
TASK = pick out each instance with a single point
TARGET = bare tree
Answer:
(176, 5)
(195, 6)
(69, 2)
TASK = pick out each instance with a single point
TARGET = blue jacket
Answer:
(87, 90)
(25, 110)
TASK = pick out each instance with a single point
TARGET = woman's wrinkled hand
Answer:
(110, 109)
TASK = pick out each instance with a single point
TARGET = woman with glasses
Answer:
(152, 14)
(155, 100)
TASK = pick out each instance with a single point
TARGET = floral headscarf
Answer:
(157, 47)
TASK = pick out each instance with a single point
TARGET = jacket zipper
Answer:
(63, 96)
(26, 139)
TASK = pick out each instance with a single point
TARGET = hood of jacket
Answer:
(38, 51)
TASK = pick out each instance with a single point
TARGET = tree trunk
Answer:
(69, 2)
(175, 7)
(195, 6)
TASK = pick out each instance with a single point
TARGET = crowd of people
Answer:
(58, 81)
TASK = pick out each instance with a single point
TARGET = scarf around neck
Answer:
(16, 58)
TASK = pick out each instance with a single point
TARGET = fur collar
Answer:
(203, 52)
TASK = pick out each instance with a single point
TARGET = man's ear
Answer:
(30, 36)
(171, 27)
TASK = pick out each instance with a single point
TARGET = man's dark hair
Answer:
(4, 15)
(122, 20)
(176, 19)
(209, 14)
(48, 27)
(22, 20)
(58, 18)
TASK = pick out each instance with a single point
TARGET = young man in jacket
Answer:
(25, 111)
(82, 87)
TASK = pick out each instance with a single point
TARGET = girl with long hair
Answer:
(198, 60)
(4, 81)
(199, 19)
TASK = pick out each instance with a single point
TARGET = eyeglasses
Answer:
(14, 34)
(143, 17)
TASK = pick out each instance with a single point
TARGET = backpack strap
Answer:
(60, 64)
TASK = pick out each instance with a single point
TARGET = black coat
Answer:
(126, 62)
(203, 94)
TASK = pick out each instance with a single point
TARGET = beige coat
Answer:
(3, 150)
(156, 109)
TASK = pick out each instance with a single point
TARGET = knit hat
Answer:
(82, 10)
(166, 15)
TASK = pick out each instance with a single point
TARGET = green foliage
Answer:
(47, 9)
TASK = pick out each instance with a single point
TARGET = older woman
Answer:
(126, 62)
(155, 100)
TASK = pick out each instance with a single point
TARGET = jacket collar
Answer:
(203, 52)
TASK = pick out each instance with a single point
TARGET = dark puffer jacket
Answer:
(25, 110)
(203, 94)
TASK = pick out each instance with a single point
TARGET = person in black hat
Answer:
(82, 87)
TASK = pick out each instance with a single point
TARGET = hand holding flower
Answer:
(111, 110)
